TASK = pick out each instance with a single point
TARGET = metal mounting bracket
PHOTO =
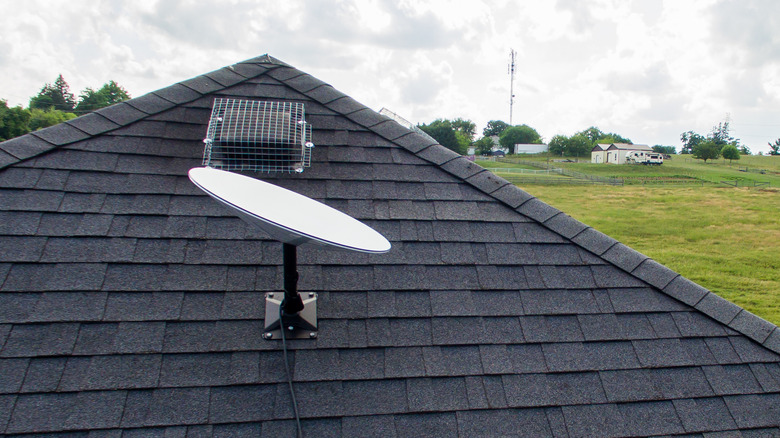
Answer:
(301, 325)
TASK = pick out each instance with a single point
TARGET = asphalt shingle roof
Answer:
(131, 304)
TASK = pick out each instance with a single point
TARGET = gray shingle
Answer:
(654, 273)
(661, 352)
(452, 361)
(718, 308)
(182, 370)
(594, 241)
(538, 210)
(225, 77)
(177, 93)
(751, 411)
(202, 84)
(527, 358)
(462, 168)
(773, 341)
(123, 372)
(650, 418)
(371, 425)
(732, 379)
(675, 383)
(60, 134)
(685, 290)
(704, 414)
(436, 394)
(558, 302)
(121, 113)
(96, 338)
(389, 129)
(24, 147)
(45, 340)
(487, 181)
(416, 425)
(374, 397)
(642, 300)
(752, 326)
(438, 154)
(553, 389)
(596, 420)
(627, 259)
(93, 123)
(504, 422)
(12, 374)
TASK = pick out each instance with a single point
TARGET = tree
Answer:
(494, 127)
(442, 131)
(689, 140)
(483, 146)
(40, 119)
(57, 96)
(730, 152)
(579, 146)
(720, 134)
(13, 121)
(707, 150)
(611, 137)
(109, 94)
(774, 148)
(592, 134)
(520, 134)
(465, 127)
(558, 145)
(744, 150)
(668, 150)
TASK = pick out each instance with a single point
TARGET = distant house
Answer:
(521, 148)
(614, 153)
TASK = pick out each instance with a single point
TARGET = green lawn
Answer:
(744, 171)
(726, 239)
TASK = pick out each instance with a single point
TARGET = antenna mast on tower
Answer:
(512, 54)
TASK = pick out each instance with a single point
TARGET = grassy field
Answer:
(726, 239)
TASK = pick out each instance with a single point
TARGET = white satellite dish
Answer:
(294, 220)
(287, 216)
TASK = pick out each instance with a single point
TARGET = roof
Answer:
(629, 147)
(132, 304)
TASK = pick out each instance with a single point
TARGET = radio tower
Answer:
(512, 54)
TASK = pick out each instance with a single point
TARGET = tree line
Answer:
(55, 104)
(459, 135)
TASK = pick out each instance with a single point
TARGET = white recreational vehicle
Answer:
(644, 157)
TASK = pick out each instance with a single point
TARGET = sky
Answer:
(648, 70)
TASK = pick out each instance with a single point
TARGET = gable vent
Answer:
(259, 136)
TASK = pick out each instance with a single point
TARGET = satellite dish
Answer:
(287, 216)
(294, 220)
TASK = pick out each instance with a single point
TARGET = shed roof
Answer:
(131, 303)
(629, 147)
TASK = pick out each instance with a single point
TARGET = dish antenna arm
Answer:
(293, 303)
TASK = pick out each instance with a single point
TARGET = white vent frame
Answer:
(258, 135)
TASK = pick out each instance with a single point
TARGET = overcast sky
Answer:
(645, 69)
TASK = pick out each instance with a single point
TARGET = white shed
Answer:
(615, 153)
(521, 148)
(599, 153)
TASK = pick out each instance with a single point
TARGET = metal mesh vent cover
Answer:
(259, 136)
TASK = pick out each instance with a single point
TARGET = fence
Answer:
(570, 173)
